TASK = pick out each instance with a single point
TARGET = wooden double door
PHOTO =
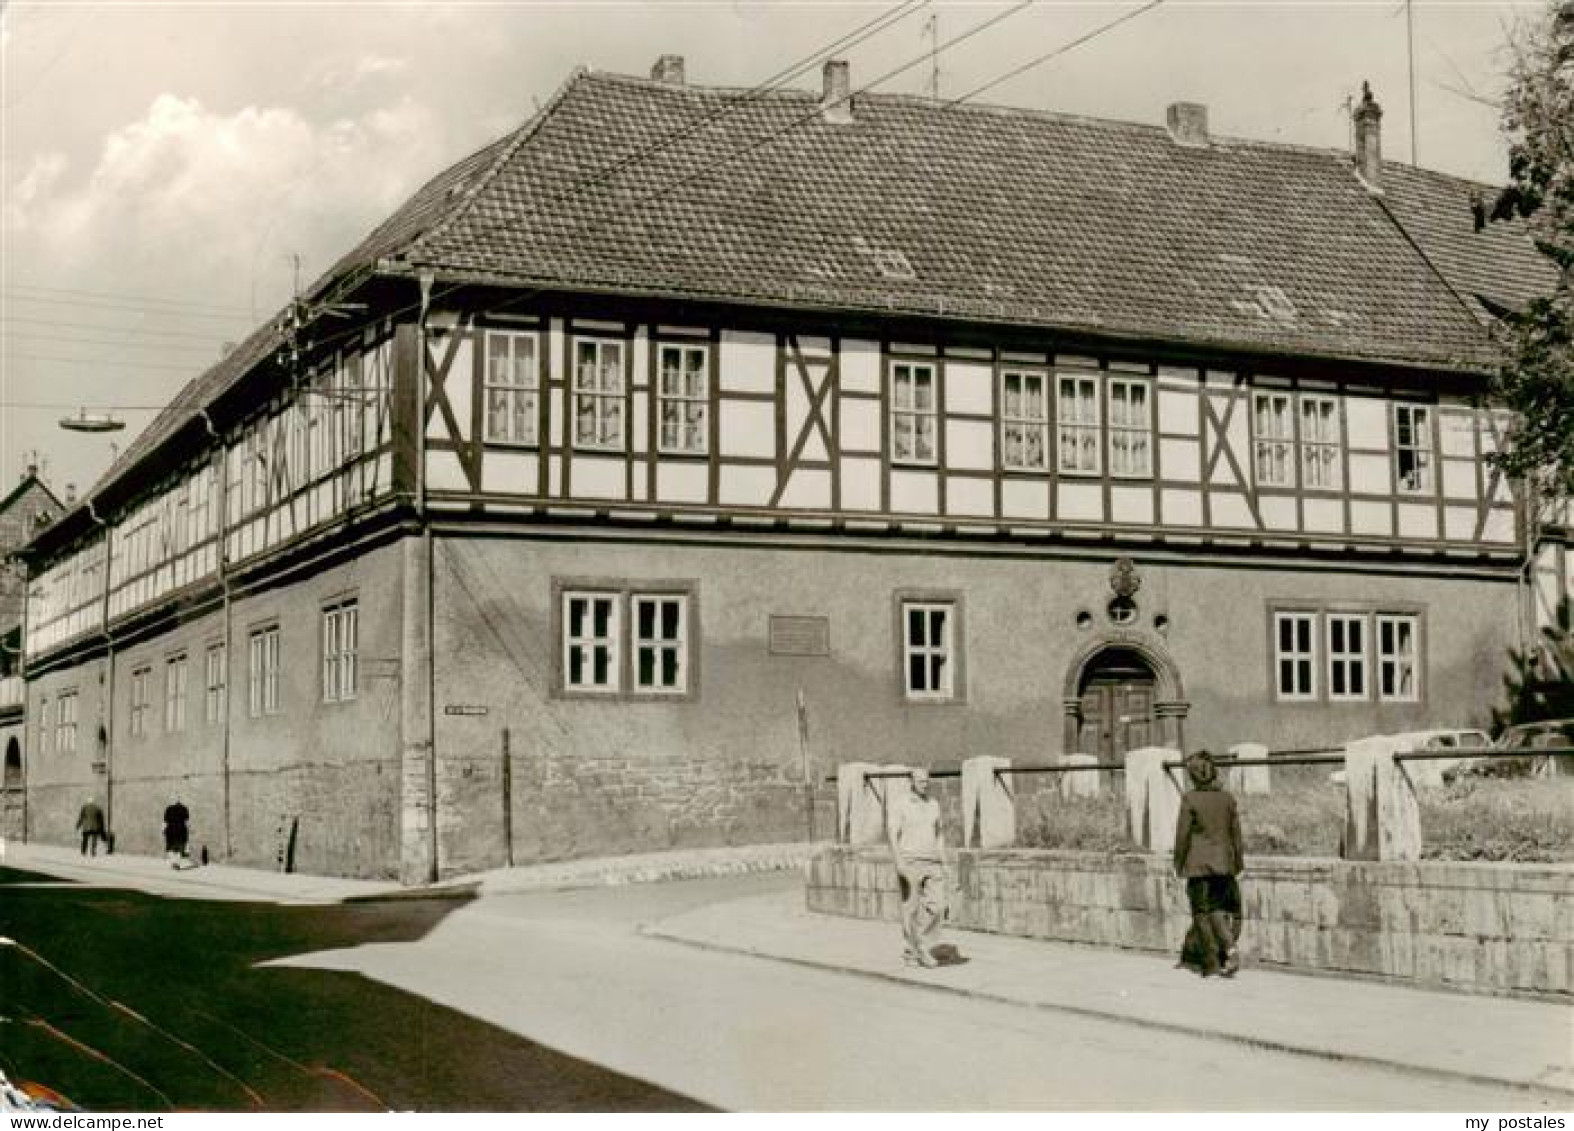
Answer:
(1117, 707)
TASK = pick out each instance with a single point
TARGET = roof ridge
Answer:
(1041, 113)
(524, 132)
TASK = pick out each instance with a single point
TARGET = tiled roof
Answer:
(978, 212)
(971, 212)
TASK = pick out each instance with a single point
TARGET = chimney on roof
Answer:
(1188, 123)
(1368, 119)
(30, 471)
(668, 69)
(71, 493)
(836, 104)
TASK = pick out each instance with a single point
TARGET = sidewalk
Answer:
(1484, 1039)
(154, 876)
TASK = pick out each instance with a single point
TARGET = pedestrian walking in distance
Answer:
(918, 849)
(90, 823)
(1209, 856)
(177, 832)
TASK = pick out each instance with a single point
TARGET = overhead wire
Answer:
(892, 18)
(879, 24)
(926, 57)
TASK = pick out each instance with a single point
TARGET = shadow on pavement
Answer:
(127, 1002)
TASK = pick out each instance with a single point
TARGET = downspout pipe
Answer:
(426, 279)
(109, 679)
(220, 465)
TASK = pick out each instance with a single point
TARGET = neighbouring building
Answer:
(26, 509)
(981, 429)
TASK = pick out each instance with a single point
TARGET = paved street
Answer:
(123, 1001)
(233, 988)
(571, 971)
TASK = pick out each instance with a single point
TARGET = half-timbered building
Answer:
(685, 442)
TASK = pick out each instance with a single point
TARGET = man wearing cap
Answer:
(918, 848)
(1209, 855)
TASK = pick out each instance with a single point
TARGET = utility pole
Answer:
(932, 31)
(1410, 50)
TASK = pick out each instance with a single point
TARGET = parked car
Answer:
(1530, 737)
(1435, 771)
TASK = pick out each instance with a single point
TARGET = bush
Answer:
(1529, 820)
(1476, 818)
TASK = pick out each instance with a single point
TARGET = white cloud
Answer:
(186, 199)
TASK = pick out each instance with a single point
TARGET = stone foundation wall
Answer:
(1493, 928)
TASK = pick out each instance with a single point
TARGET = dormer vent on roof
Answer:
(836, 103)
(1368, 118)
(668, 69)
(1187, 123)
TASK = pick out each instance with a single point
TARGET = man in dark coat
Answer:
(177, 832)
(90, 823)
(1209, 855)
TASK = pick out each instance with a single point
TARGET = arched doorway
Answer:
(1123, 692)
(1116, 698)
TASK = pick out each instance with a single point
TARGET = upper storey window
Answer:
(1024, 421)
(685, 399)
(1278, 449)
(598, 395)
(1275, 439)
(913, 413)
(1320, 464)
(1130, 429)
(1413, 449)
(1077, 409)
(512, 381)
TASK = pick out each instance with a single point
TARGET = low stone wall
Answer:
(1493, 928)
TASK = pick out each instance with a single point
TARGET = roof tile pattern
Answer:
(977, 212)
(959, 211)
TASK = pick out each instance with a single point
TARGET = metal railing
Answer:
(1304, 756)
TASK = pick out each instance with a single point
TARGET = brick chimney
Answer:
(668, 69)
(1368, 118)
(1188, 123)
(836, 104)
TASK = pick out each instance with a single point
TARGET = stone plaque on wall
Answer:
(800, 636)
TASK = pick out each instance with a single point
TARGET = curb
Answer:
(633, 872)
(1550, 1092)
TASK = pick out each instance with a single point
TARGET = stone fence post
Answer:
(1247, 779)
(861, 810)
(988, 803)
(1153, 796)
(1382, 818)
(1080, 783)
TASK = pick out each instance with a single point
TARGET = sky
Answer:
(169, 171)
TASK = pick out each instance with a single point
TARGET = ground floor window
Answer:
(930, 636)
(1342, 655)
(590, 642)
(1397, 636)
(140, 678)
(1294, 655)
(1346, 656)
(340, 649)
(66, 722)
(216, 682)
(626, 639)
(263, 673)
(660, 648)
(175, 693)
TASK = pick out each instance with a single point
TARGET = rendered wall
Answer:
(724, 766)
(1483, 927)
(332, 767)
